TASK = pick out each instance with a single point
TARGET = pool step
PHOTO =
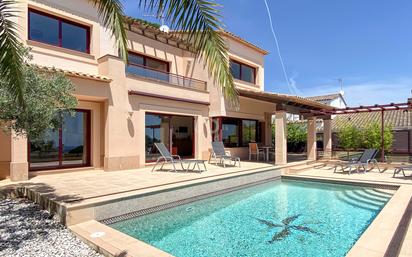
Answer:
(370, 199)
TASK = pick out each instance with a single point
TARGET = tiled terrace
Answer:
(86, 186)
(326, 170)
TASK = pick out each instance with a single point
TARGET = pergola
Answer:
(312, 110)
(360, 109)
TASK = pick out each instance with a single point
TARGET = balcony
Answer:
(165, 77)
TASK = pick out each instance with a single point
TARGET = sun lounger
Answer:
(166, 157)
(402, 169)
(219, 154)
(367, 158)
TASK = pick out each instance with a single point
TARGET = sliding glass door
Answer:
(67, 146)
(157, 129)
(176, 132)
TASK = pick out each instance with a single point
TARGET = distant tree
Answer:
(45, 94)
(349, 138)
(371, 136)
(297, 136)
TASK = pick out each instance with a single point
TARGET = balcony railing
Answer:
(170, 78)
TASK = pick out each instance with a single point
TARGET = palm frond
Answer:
(199, 22)
(11, 53)
(112, 14)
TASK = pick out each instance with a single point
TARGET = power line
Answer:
(291, 89)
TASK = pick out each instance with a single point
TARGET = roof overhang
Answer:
(154, 33)
(290, 103)
(74, 73)
(164, 97)
(243, 41)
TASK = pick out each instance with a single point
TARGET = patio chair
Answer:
(367, 157)
(166, 157)
(255, 150)
(402, 169)
(219, 153)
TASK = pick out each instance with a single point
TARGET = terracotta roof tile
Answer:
(269, 96)
(75, 73)
(322, 98)
(236, 37)
(398, 119)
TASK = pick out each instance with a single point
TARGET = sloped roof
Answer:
(398, 119)
(149, 29)
(291, 100)
(328, 97)
(74, 73)
(243, 41)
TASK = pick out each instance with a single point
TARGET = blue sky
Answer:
(367, 43)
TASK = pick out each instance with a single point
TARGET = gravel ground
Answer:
(26, 230)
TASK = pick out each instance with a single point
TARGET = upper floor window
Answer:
(148, 62)
(56, 31)
(243, 71)
(148, 67)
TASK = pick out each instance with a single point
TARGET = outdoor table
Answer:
(267, 148)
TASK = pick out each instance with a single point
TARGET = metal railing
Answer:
(170, 78)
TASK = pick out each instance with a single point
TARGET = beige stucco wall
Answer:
(13, 156)
(117, 118)
(79, 11)
(250, 56)
(255, 110)
(142, 105)
(5, 154)
(243, 54)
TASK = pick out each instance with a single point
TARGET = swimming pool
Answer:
(280, 218)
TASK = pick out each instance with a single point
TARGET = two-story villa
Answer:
(163, 94)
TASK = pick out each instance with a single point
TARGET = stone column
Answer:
(268, 129)
(327, 138)
(19, 166)
(281, 151)
(120, 128)
(311, 139)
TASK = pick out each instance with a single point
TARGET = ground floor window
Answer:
(231, 132)
(176, 132)
(67, 146)
(234, 132)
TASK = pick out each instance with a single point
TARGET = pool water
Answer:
(280, 218)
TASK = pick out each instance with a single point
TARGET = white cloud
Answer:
(293, 86)
(369, 92)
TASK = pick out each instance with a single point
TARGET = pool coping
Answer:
(166, 206)
(113, 243)
(83, 212)
(383, 237)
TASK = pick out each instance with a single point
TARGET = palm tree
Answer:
(199, 20)
(11, 53)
